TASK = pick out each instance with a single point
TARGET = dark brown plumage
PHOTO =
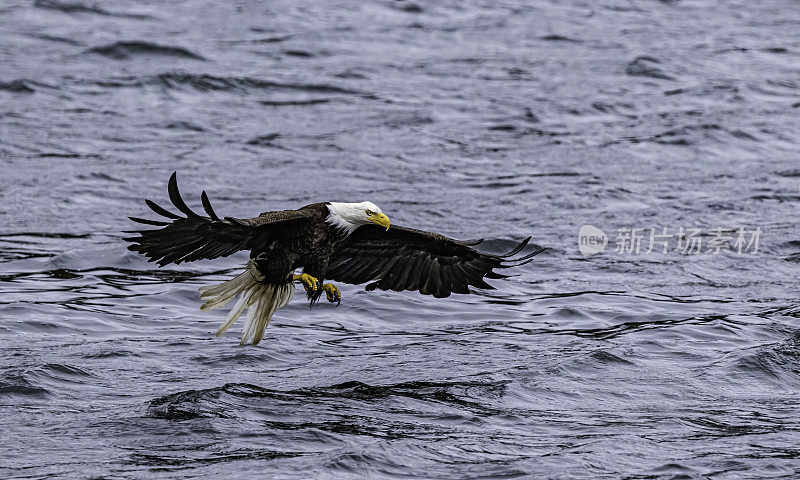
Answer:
(399, 259)
(350, 243)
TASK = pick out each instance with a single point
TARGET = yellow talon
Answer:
(310, 283)
(332, 292)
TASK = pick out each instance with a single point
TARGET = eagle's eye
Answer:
(370, 213)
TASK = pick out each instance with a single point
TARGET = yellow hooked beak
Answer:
(380, 219)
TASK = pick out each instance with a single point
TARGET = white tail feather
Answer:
(261, 301)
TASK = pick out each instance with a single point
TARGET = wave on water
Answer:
(646, 66)
(15, 384)
(129, 49)
(221, 401)
(79, 8)
(207, 83)
(23, 85)
(778, 363)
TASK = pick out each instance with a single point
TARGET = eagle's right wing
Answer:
(195, 237)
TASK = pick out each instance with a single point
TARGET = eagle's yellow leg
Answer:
(332, 292)
(311, 284)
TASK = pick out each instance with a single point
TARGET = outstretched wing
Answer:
(195, 237)
(408, 259)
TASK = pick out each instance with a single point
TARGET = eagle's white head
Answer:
(349, 216)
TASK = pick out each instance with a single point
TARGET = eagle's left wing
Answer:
(407, 259)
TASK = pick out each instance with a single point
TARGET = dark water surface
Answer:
(475, 119)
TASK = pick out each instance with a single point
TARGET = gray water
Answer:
(473, 119)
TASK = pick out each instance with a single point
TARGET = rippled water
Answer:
(475, 119)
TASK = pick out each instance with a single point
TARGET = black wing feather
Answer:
(378, 267)
(422, 273)
(415, 273)
(435, 280)
(207, 207)
(157, 223)
(175, 197)
(459, 282)
(408, 259)
(160, 210)
(404, 273)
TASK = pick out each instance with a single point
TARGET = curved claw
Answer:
(332, 293)
(311, 284)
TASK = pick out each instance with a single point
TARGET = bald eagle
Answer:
(345, 242)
